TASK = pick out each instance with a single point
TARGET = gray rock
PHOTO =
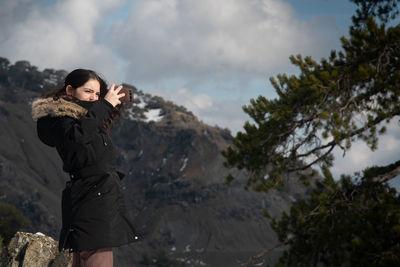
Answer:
(27, 249)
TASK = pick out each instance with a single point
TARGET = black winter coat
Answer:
(93, 209)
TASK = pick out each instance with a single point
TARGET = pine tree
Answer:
(353, 95)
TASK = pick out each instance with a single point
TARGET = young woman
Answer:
(76, 119)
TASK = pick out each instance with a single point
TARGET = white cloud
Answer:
(208, 39)
(193, 102)
(61, 35)
(182, 96)
(12, 12)
(225, 114)
(360, 156)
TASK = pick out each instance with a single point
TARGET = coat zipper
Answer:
(104, 139)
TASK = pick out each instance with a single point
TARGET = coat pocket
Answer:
(102, 187)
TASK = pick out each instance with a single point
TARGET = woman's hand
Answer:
(112, 95)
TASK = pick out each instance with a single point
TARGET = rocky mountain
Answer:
(174, 184)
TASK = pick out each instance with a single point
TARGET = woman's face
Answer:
(89, 91)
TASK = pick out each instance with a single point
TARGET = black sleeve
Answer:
(67, 129)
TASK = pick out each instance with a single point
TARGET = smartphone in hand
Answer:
(128, 97)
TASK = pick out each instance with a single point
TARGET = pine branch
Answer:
(262, 254)
(393, 171)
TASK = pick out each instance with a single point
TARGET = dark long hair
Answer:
(79, 77)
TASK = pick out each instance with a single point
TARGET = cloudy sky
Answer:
(210, 56)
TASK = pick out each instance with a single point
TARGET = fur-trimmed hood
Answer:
(56, 108)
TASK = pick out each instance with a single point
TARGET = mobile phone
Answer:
(128, 97)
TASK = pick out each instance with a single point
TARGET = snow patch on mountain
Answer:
(140, 111)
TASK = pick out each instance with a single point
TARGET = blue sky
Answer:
(210, 56)
(341, 10)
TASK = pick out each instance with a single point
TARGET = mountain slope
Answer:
(174, 184)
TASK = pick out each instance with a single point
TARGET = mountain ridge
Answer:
(174, 185)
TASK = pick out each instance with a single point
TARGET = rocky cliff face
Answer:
(174, 185)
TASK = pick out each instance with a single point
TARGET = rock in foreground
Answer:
(27, 249)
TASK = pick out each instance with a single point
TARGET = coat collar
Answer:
(56, 108)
